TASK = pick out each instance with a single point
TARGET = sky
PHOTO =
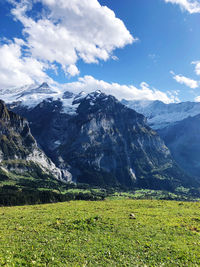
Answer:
(133, 49)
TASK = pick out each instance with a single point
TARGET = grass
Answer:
(80, 233)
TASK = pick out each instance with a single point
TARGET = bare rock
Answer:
(132, 216)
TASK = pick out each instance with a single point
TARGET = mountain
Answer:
(183, 140)
(19, 152)
(160, 115)
(101, 141)
(29, 95)
(179, 126)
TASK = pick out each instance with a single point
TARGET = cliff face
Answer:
(104, 143)
(18, 149)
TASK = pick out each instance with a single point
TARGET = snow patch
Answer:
(57, 143)
(160, 115)
(132, 173)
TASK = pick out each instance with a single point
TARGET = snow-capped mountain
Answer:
(29, 97)
(97, 138)
(178, 125)
(81, 131)
(160, 115)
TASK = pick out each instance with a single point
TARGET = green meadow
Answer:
(101, 233)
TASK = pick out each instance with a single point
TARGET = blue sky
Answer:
(146, 49)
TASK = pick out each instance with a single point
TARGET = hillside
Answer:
(101, 234)
(24, 167)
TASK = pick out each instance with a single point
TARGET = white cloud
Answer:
(72, 30)
(197, 99)
(173, 95)
(73, 70)
(185, 80)
(16, 70)
(129, 92)
(197, 67)
(192, 6)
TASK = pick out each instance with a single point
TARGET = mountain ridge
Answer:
(99, 140)
(160, 115)
(97, 132)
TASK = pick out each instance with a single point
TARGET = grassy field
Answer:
(80, 233)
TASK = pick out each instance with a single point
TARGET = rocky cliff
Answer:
(19, 152)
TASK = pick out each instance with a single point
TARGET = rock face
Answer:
(18, 149)
(103, 143)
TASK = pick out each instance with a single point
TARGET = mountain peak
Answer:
(95, 94)
(67, 95)
(44, 85)
(79, 97)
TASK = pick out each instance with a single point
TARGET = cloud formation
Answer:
(185, 80)
(17, 70)
(68, 31)
(192, 6)
(89, 84)
(197, 67)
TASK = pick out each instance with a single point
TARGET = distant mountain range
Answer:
(178, 125)
(95, 139)
(160, 115)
